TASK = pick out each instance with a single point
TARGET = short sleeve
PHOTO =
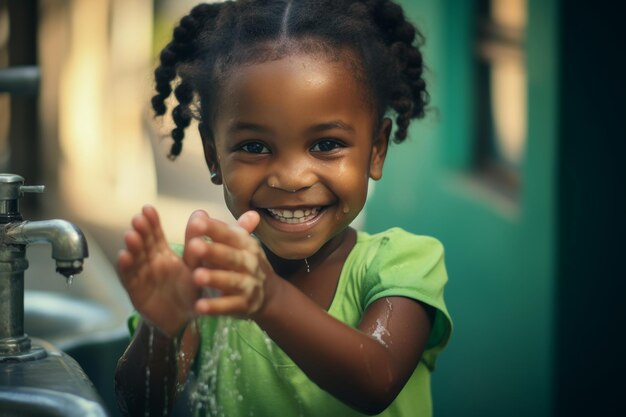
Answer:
(133, 322)
(412, 266)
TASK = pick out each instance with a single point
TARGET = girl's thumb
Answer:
(249, 220)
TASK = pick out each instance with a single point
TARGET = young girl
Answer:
(311, 318)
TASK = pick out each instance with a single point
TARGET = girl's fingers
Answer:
(129, 268)
(148, 227)
(220, 256)
(126, 264)
(201, 226)
(228, 282)
(134, 242)
(224, 305)
(247, 291)
(152, 217)
(234, 236)
(197, 228)
(196, 224)
(142, 226)
(249, 220)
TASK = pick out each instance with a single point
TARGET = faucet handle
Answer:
(32, 189)
(12, 188)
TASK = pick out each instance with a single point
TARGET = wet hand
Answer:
(232, 263)
(157, 280)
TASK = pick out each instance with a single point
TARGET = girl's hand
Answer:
(234, 264)
(157, 280)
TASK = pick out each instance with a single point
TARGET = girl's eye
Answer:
(254, 147)
(326, 145)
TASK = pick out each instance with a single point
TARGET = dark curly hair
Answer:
(215, 38)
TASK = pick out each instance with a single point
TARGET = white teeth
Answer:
(295, 216)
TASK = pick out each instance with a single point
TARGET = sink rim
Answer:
(53, 403)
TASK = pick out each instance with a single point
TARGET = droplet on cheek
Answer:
(346, 209)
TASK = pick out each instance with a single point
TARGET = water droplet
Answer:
(69, 280)
(346, 209)
(308, 236)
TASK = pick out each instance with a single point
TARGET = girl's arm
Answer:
(364, 367)
(160, 287)
(151, 369)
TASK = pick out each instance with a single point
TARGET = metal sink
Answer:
(54, 385)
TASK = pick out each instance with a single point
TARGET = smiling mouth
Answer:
(294, 216)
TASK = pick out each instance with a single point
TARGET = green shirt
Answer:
(241, 372)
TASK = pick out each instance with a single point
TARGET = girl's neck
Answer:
(335, 250)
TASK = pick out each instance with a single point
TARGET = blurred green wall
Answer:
(499, 253)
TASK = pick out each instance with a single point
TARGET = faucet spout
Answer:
(69, 246)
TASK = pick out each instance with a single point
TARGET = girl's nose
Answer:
(291, 174)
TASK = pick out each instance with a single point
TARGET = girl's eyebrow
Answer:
(335, 124)
(320, 127)
(237, 126)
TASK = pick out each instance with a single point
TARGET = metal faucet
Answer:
(69, 248)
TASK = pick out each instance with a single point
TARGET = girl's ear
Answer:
(379, 149)
(210, 153)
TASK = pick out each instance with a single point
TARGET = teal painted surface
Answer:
(499, 253)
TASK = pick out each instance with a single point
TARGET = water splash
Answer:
(379, 330)
(150, 352)
(308, 267)
(204, 395)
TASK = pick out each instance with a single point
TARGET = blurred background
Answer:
(517, 169)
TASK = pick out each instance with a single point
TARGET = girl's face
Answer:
(295, 140)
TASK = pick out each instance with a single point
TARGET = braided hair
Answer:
(215, 38)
